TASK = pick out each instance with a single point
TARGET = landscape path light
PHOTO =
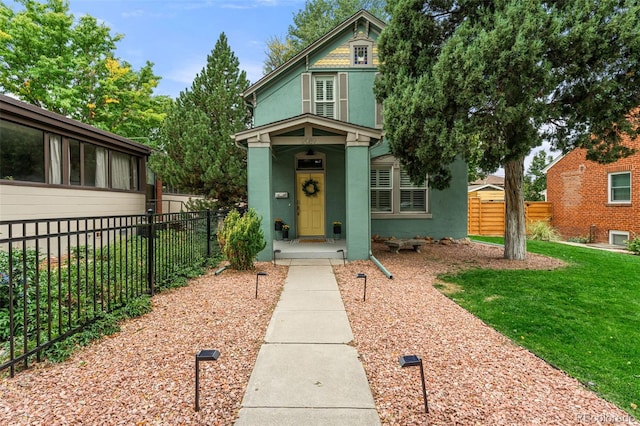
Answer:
(258, 275)
(363, 275)
(415, 361)
(344, 262)
(203, 355)
(274, 255)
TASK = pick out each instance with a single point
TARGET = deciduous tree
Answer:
(514, 73)
(66, 65)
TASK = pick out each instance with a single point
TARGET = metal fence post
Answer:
(150, 252)
(208, 233)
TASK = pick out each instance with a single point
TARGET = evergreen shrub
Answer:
(241, 239)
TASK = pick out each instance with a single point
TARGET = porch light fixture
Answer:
(416, 361)
(258, 275)
(310, 152)
(362, 275)
(203, 355)
(344, 262)
(274, 255)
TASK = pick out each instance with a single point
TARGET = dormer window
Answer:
(361, 55)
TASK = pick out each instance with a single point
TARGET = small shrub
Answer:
(581, 239)
(634, 244)
(241, 239)
(542, 231)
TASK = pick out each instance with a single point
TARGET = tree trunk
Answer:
(515, 230)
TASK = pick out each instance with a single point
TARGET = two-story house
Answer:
(317, 152)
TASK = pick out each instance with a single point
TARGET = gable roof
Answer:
(322, 41)
(490, 180)
(473, 188)
(353, 132)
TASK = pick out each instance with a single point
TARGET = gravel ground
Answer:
(144, 375)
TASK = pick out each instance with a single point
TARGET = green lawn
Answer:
(583, 318)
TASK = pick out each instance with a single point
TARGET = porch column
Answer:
(259, 190)
(357, 199)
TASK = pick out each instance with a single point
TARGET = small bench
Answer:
(397, 245)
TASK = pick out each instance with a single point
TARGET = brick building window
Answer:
(620, 187)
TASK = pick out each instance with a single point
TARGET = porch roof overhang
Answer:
(311, 130)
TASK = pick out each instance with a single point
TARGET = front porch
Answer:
(307, 248)
(310, 172)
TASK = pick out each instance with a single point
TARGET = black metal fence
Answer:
(59, 275)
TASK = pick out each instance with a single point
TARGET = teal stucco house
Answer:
(317, 153)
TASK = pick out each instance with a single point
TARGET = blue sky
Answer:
(178, 35)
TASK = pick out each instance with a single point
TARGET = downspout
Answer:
(371, 256)
(380, 265)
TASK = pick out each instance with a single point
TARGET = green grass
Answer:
(584, 318)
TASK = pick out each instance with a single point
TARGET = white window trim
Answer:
(315, 101)
(609, 189)
(612, 233)
(395, 212)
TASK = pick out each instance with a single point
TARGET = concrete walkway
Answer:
(306, 373)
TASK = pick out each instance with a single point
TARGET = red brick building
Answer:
(598, 201)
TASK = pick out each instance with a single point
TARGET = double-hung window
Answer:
(381, 189)
(620, 187)
(393, 193)
(412, 197)
(325, 96)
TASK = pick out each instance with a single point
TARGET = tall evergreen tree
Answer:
(514, 73)
(197, 152)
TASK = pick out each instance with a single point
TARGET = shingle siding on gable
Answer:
(578, 189)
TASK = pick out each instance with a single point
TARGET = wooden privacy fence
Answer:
(487, 217)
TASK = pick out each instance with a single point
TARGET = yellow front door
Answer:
(310, 207)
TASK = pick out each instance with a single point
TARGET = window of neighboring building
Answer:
(55, 160)
(618, 238)
(325, 96)
(32, 155)
(620, 187)
(393, 192)
(74, 162)
(22, 153)
(412, 197)
(124, 171)
(381, 189)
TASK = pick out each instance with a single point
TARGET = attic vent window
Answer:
(360, 55)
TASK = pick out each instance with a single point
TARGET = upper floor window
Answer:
(361, 51)
(620, 187)
(325, 96)
(360, 55)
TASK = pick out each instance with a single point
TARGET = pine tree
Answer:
(198, 152)
(513, 74)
